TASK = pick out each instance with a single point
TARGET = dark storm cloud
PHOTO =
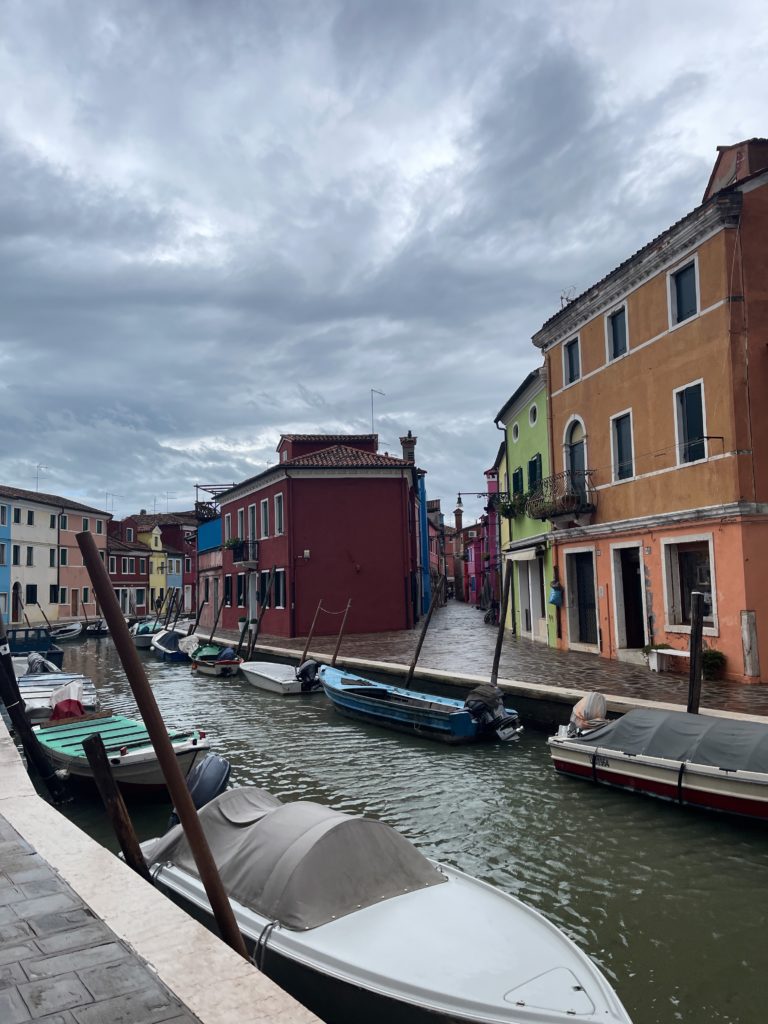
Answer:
(222, 222)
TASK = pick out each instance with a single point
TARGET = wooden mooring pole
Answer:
(311, 633)
(341, 633)
(697, 628)
(95, 751)
(262, 607)
(422, 635)
(158, 734)
(502, 620)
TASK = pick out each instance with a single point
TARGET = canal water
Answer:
(670, 903)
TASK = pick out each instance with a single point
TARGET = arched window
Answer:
(576, 457)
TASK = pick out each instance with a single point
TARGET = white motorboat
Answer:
(67, 631)
(282, 679)
(142, 632)
(348, 916)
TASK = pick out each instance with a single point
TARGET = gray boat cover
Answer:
(302, 864)
(697, 739)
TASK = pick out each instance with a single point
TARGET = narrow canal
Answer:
(671, 903)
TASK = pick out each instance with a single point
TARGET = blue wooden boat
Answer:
(34, 640)
(481, 716)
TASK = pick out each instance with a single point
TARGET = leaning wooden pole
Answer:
(14, 705)
(158, 734)
(48, 624)
(697, 629)
(311, 632)
(341, 633)
(262, 608)
(502, 620)
(424, 628)
(216, 620)
(114, 805)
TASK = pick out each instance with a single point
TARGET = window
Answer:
(518, 485)
(155, 541)
(30, 517)
(689, 423)
(534, 471)
(228, 590)
(52, 521)
(30, 556)
(16, 555)
(187, 565)
(2, 554)
(63, 521)
(241, 590)
(30, 594)
(617, 333)
(124, 566)
(621, 445)
(129, 534)
(240, 523)
(515, 432)
(251, 522)
(86, 525)
(141, 596)
(571, 361)
(207, 593)
(142, 565)
(86, 595)
(131, 565)
(52, 558)
(3, 515)
(17, 516)
(53, 594)
(227, 527)
(688, 567)
(682, 298)
(99, 526)
(265, 518)
(112, 564)
(62, 595)
(263, 585)
(533, 415)
(280, 588)
(279, 515)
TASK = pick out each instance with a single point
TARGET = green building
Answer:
(528, 547)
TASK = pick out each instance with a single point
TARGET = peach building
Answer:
(658, 378)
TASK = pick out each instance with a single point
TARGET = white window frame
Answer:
(228, 576)
(4, 517)
(609, 357)
(113, 564)
(63, 596)
(30, 555)
(86, 596)
(52, 521)
(618, 594)
(131, 566)
(99, 526)
(241, 524)
(15, 554)
(63, 521)
(30, 517)
(264, 518)
(279, 502)
(242, 590)
(52, 558)
(3, 548)
(668, 583)
(124, 566)
(142, 591)
(575, 418)
(576, 339)
(279, 573)
(614, 460)
(129, 534)
(142, 566)
(676, 414)
(4, 603)
(86, 525)
(228, 527)
(515, 433)
(672, 291)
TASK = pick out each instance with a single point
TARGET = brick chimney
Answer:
(458, 518)
(409, 448)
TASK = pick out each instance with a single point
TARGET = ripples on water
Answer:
(669, 902)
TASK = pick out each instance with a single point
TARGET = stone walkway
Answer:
(458, 640)
(58, 963)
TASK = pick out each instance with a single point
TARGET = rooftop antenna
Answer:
(567, 295)
(107, 496)
(374, 391)
(38, 467)
(167, 497)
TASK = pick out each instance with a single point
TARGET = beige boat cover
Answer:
(302, 864)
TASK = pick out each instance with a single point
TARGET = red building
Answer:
(128, 568)
(337, 521)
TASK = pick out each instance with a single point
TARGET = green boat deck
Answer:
(115, 730)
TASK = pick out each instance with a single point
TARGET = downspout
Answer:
(426, 582)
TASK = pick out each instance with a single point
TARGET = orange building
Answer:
(658, 378)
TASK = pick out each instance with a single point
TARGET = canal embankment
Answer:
(83, 937)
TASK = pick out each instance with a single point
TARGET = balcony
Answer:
(564, 498)
(246, 552)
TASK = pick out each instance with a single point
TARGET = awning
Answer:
(523, 555)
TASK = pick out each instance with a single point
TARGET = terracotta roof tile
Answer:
(340, 438)
(341, 456)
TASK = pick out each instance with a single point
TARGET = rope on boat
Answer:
(260, 948)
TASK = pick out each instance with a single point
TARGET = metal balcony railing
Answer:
(246, 552)
(569, 493)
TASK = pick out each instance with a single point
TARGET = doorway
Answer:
(628, 589)
(16, 606)
(582, 603)
(74, 601)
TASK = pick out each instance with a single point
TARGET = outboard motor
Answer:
(308, 675)
(207, 780)
(590, 713)
(486, 705)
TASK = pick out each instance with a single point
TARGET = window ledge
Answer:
(707, 630)
(682, 323)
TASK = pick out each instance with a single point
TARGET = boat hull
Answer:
(143, 641)
(731, 792)
(274, 678)
(222, 669)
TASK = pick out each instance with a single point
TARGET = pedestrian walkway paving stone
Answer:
(458, 640)
(61, 965)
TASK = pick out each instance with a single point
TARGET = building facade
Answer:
(128, 567)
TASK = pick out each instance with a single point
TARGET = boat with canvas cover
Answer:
(131, 755)
(349, 917)
(715, 762)
(481, 716)
(67, 631)
(143, 631)
(286, 680)
(165, 644)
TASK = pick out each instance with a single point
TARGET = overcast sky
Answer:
(223, 221)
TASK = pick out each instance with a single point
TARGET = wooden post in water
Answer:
(262, 606)
(243, 631)
(93, 747)
(424, 627)
(311, 633)
(158, 734)
(216, 620)
(43, 614)
(341, 632)
(14, 705)
(196, 623)
(697, 627)
(502, 620)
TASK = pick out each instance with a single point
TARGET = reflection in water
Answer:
(663, 899)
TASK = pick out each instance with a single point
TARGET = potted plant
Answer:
(712, 663)
(232, 542)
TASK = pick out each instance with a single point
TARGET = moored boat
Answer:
(23, 640)
(286, 680)
(42, 692)
(707, 761)
(347, 915)
(67, 631)
(214, 660)
(131, 755)
(165, 644)
(481, 716)
(143, 631)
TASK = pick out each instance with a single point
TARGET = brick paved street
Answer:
(459, 640)
(61, 965)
